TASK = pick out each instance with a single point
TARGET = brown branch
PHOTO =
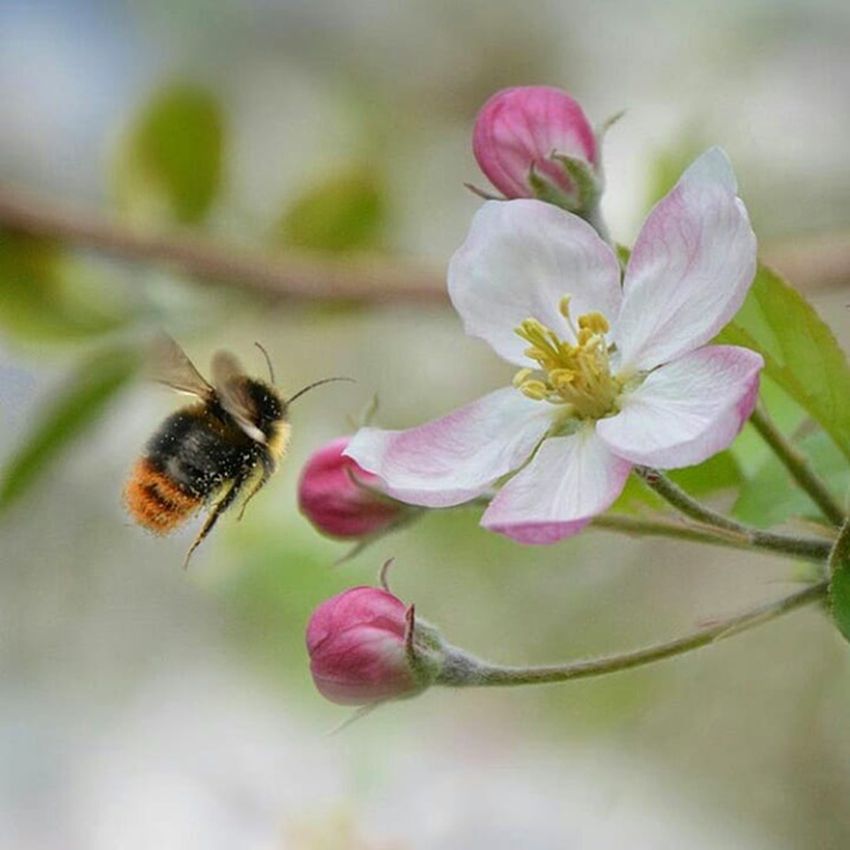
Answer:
(814, 263)
(291, 275)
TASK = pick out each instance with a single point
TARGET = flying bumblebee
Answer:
(211, 453)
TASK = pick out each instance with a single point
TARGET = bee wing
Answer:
(232, 389)
(171, 366)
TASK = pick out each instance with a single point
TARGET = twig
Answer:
(290, 275)
(821, 262)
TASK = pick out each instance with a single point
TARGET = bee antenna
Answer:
(268, 361)
(314, 385)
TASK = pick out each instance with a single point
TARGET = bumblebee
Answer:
(211, 453)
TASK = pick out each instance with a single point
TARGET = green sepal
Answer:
(545, 191)
(424, 649)
(584, 178)
(583, 200)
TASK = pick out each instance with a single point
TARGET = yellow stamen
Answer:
(585, 335)
(595, 322)
(536, 390)
(577, 374)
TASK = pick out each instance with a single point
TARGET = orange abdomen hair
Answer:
(155, 501)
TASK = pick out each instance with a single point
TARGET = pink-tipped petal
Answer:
(690, 269)
(357, 605)
(568, 482)
(519, 128)
(455, 458)
(519, 259)
(688, 410)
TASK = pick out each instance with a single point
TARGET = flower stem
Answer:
(462, 670)
(798, 465)
(678, 529)
(809, 548)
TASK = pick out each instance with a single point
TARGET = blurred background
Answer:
(144, 706)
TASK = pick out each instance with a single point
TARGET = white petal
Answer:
(568, 482)
(690, 269)
(688, 410)
(455, 458)
(519, 259)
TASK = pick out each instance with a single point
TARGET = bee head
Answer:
(268, 407)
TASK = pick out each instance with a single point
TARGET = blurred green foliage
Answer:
(273, 588)
(346, 211)
(170, 164)
(48, 294)
(77, 407)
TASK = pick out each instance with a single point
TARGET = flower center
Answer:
(576, 374)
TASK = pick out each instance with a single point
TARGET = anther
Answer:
(595, 322)
(535, 390)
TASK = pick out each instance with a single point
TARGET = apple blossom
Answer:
(340, 499)
(365, 647)
(535, 142)
(611, 376)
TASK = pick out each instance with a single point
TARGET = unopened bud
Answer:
(342, 500)
(535, 142)
(366, 647)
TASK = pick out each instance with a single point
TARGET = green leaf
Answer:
(770, 497)
(79, 406)
(170, 164)
(343, 213)
(839, 586)
(800, 351)
(48, 295)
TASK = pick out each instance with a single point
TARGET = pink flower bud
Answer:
(519, 135)
(357, 646)
(337, 496)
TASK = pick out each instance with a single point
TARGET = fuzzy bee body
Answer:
(187, 463)
(210, 453)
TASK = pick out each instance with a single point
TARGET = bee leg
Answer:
(254, 490)
(218, 509)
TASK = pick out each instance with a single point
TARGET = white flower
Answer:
(612, 375)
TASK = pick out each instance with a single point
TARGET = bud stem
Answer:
(462, 670)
